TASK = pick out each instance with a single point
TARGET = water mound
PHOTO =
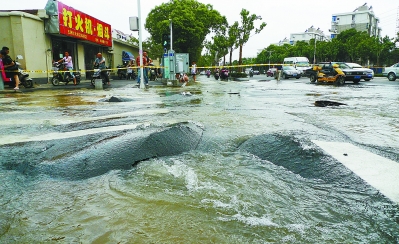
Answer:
(123, 152)
(290, 153)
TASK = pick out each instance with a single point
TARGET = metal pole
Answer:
(314, 53)
(171, 34)
(142, 86)
(270, 53)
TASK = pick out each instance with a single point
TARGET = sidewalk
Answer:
(83, 84)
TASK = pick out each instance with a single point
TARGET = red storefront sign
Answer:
(80, 25)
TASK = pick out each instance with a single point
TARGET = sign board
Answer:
(134, 23)
(77, 24)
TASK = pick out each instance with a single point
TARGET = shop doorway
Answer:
(60, 47)
(90, 57)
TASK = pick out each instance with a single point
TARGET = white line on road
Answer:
(379, 172)
(63, 135)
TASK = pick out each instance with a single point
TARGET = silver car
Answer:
(391, 72)
(290, 72)
(369, 73)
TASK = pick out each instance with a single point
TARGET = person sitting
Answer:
(100, 62)
(10, 67)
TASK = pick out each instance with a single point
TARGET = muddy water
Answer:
(255, 177)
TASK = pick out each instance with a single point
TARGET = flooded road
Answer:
(253, 173)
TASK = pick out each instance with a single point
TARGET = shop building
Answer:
(42, 36)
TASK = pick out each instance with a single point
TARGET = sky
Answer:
(282, 17)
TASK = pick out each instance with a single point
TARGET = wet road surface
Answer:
(253, 175)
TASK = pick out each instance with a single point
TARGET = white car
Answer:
(391, 72)
(369, 72)
(290, 72)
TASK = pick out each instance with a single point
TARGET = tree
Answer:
(233, 34)
(245, 29)
(149, 45)
(191, 23)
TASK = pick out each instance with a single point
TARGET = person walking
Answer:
(194, 70)
(145, 61)
(100, 61)
(10, 66)
(68, 65)
(129, 70)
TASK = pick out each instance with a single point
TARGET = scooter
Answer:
(59, 77)
(153, 74)
(122, 72)
(97, 75)
(224, 74)
(208, 73)
(251, 73)
(217, 74)
(23, 76)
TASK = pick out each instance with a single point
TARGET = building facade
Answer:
(307, 35)
(42, 36)
(361, 19)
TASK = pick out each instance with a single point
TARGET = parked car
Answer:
(256, 72)
(369, 72)
(290, 72)
(391, 72)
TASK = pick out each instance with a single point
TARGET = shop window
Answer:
(59, 47)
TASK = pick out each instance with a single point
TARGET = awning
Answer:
(127, 56)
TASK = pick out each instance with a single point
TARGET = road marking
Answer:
(379, 172)
(63, 135)
(11, 139)
(72, 119)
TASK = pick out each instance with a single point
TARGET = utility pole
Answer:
(314, 53)
(142, 86)
(270, 53)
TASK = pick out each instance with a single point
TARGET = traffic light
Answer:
(166, 40)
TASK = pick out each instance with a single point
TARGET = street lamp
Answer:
(171, 33)
(270, 53)
(314, 53)
(142, 86)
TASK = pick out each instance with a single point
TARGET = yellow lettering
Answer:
(100, 30)
(79, 23)
(67, 17)
(88, 24)
(106, 32)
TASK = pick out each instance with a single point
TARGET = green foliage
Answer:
(245, 29)
(349, 46)
(153, 49)
(191, 23)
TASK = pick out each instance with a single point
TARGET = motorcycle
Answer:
(224, 74)
(97, 75)
(208, 73)
(251, 73)
(59, 77)
(216, 75)
(23, 76)
(153, 74)
(122, 72)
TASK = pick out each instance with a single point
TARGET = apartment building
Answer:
(361, 19)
